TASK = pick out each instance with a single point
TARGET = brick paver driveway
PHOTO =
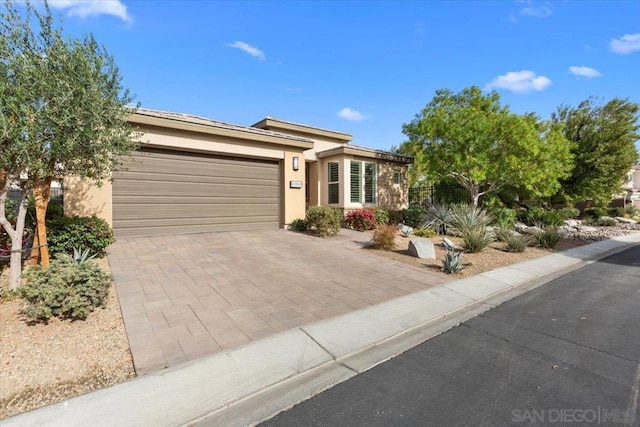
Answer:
(188, 296)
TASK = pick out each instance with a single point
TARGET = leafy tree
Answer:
(470, 137)
(604, 149)
(63, 113)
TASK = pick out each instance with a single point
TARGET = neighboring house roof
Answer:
(636, 167)
(366, 152)
(273, 123)
(189, 122)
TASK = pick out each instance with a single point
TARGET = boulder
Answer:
(519, 226)
(626, 220)
(531, 230)
(404, 229)
(564, 231)
(421, 247)
(448, 244)
(587, 229)
(571, 223)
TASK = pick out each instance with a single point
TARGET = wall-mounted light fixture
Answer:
(296, 163)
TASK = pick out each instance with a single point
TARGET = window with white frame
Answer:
(333, 178)
(397, 178)
(364, 177)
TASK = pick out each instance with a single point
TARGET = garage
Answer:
(162, 192)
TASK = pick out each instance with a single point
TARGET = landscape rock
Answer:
(626, 220)
(571, 223)
(448, 244)
(421, 247)
(531, 230)
(565, 231)
(519, 226)
(404, 229)
(605, 220)
(588, 229)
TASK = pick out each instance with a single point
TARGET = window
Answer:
(366, 178)
(356, 179)
(333, 178)
(397, 178)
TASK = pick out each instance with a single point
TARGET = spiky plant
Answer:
(466, 217)
(452, 262)
(437, 216)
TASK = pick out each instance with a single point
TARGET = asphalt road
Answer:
(567, 353)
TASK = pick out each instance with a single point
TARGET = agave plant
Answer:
(452, 262)
(436, 217)
(465, 218)
(80, 256)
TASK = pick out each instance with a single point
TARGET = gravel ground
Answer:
(46, 363)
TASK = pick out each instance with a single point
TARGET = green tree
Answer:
(604, 149)
(470, 137)
(63, 112)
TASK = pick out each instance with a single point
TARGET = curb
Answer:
(254, 382)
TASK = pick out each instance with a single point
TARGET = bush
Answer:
(504, 217)
(396, 217)
(324, 221)
(594, 213)
(55, 208)
(569, 213)
(91, 232)
(476, 239)
(538, 216)
(413, 217)
(606, 221)
(452, 262)
(466, 218)
(437, 217)
(382, 216)
(516, 243)
(384, 237)
(361, 220)
(631, 210)
(65, 289)
(298, 224)
(548, 238)
(424, 232)
(615, 212)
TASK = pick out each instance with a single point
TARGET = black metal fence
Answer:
(442, 194)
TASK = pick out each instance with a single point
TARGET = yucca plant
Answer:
(80, 256)
(476, 239)
(466, 217)
(502, 234)
(436, 217)
(548, 238)
(452, 262)
(516, 242)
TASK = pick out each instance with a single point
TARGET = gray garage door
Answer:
(167, 192)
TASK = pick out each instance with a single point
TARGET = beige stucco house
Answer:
(194, 174)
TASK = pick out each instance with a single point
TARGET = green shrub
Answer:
(517, 243)
(615, 212)
(425, 232)
(55, 208)
(396, 217)
(595, 212)
(65, 289)
(466, 218)
(324, 221)
(504, 217)
(360, 220)
(548, 238)
(66, 233)
(413, 217)
(452, 262)
(385, 237)
(631, 210)
(437, 217)
(476, 239)
(298, 224)
(538, 216)
(502, 234)
(569, 213)
(604, 221)
(382, 216)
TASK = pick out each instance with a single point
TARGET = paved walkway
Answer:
(187, 296)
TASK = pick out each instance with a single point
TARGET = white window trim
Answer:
(329, 182)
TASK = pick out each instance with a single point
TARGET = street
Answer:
(567, 352)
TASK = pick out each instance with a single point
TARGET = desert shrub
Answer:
(396, 217)
(382, 216)
(569, 213)
(425, 232)
(65, 289)
(594, 212)
(502, 234)
(384, 237)
(324, 221)
(605, 221)
(631, 210)
(517, 243)
(437, 217)
(298, 224)
(539, 216)
(466, 218)
(615, 211)
(88, 232)
(548, 238)
(360, 220)
(476, 239)
(413, 217)
(504, 217)
(452, 262)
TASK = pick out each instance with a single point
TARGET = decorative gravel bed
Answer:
(45, 363)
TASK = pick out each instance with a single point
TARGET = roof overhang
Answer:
(368, 153)
(210, 127)
(281, 125)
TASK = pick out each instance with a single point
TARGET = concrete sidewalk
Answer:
(253, 382)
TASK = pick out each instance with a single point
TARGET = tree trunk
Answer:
(15, 272)
(41, 192)
(475, 195)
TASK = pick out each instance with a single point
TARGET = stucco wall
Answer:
(293, 203)
(85, 198)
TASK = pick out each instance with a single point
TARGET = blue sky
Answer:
(364, 68)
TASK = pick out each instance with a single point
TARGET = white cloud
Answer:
(625, 44)
(353, 115)
(253, 51)
(524, 81)
(531, 11)
(85, 8)
(584, 72)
